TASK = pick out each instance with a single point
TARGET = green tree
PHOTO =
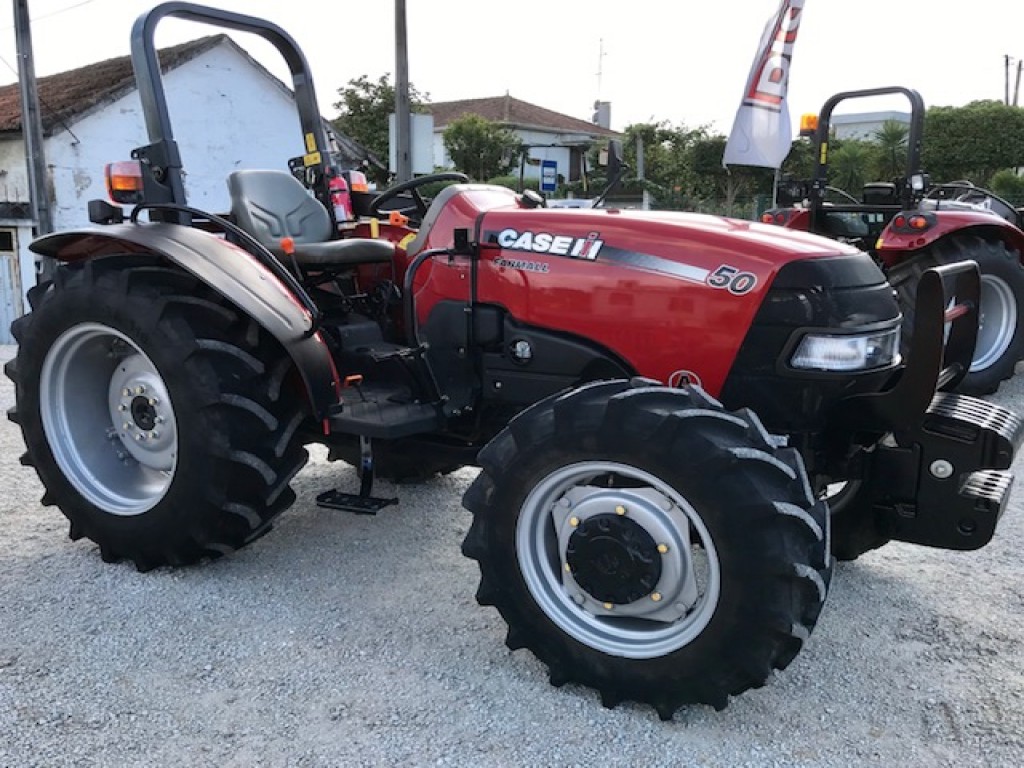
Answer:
(891, 156)
(974, 141)
(850, 165)
(728, 186)
(363, 113)
(1006, 183)
(668, 161)
(481, 148)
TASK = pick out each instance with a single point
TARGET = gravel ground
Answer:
(346, 640)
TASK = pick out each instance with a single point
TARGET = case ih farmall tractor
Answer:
(909, 225)
(656, 401)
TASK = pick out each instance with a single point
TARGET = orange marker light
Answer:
(397, 219)
(918, 222)
(288, 245)
(808, 124)
(124, 181)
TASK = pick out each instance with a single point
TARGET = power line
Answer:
(50, 15)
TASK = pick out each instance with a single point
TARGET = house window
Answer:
(6, 240)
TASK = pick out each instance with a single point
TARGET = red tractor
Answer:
(657, 401)
(909, 225)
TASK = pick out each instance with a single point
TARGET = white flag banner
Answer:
(761, 134)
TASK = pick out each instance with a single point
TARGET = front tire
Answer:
(155, 414)
(644, 542)
(1000, 343)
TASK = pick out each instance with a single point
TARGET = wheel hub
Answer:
(614, 559)
(141, 412)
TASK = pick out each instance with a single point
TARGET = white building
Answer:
(227, 111)
(547, 134)
(864, 125)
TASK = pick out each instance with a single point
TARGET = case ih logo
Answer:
(767, 87)
(557, 245)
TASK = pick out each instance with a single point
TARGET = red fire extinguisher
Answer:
(340, 199)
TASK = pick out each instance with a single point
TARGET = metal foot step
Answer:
(353, 502)
(383, 413)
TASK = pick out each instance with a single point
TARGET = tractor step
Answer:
(384, 413)
(353, 502)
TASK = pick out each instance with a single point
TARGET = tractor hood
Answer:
(676, 291)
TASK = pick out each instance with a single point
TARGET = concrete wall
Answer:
(226, 114)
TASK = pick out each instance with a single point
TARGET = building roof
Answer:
(513, 112)
(67, 95)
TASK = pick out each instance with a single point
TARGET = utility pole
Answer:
(1016, 87)
(32, 127)
(403, 120)
(1006, 79)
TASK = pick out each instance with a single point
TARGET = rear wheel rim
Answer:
(651, 622)
(997, 322)
(108, 419)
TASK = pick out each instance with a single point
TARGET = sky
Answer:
(682, 61)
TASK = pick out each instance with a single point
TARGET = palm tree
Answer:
(849, 166)
(892, 142)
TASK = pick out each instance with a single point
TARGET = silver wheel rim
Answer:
(997, 322)
(108, 419)
(673, 613)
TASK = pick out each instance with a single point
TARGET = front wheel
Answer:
(1000, 341)
(644, 542)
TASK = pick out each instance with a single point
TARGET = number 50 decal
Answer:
(736, 282)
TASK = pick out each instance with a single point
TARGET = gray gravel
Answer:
(346, 640)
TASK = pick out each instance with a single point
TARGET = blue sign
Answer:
(548, 176)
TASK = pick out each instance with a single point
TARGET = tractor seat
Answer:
(272, 205)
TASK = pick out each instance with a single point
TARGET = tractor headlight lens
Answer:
(860, 352)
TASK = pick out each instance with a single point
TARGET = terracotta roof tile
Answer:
(512, 112)
(64, 96)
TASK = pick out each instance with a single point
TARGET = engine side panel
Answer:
(672, 295)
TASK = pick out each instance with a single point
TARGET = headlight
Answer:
(858, 352)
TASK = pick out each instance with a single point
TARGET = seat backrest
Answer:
(271, 205)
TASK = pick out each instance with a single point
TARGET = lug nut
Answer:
(122, 407)
(153, 402)
(656, 597)
(140, 390)
(138, 437)
(126, 392)
(158, 420)
(127, 425)
(154, 434)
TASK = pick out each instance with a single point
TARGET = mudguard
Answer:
(895, 244)
(229, 270)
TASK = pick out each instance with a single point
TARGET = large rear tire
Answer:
(155, 414)
(645, 542)
(1000, 344)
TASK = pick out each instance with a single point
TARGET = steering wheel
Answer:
(413, 186)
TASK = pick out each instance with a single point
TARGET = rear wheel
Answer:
(646, 543)
(1000, 342)
(154, 413)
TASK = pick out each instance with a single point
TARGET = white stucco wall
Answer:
(226, 114)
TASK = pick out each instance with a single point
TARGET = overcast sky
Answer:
(680, 60)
